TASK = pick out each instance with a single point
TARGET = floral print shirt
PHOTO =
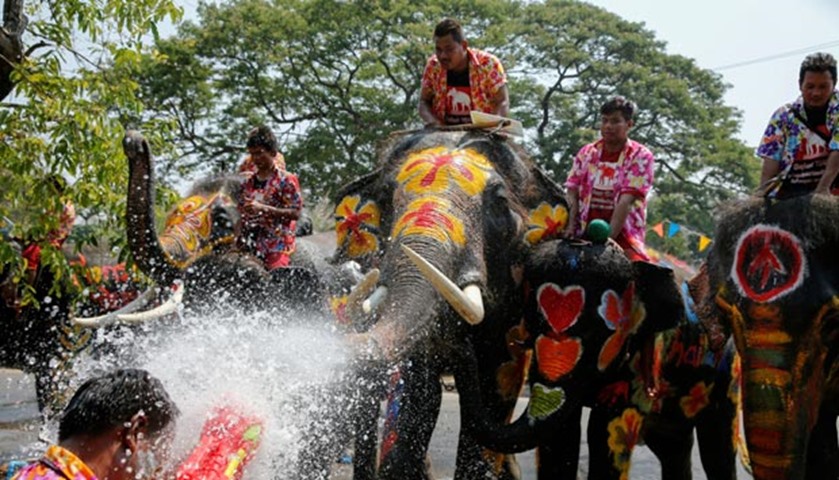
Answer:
(56, 464)
(267, 235)
(790, 142)
(633, 173)
(486, 77)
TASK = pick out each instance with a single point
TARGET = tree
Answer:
(335, 78)
(65, 100)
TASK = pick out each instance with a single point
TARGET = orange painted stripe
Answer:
(765, 440)
(769, 376)
(765, 420)
(770, 461)
(764, 338)
(766, 473)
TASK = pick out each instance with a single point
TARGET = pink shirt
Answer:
(633, 173)
(486, 77)
(56, 464)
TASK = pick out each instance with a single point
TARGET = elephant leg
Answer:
(366, 436)
(560, 458)
(672, 443)
(412, 410)
(606, 429)
(714, 432)
(823, 451)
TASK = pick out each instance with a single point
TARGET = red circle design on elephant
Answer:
(769, 263)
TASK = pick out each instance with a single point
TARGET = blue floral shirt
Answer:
(798, 149)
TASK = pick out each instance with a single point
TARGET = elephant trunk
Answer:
(142, 235)
(781, 398)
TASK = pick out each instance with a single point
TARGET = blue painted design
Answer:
(690, 307)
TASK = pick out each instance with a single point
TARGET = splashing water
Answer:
(275, 367)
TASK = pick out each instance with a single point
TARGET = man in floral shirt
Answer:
(610, 180)
(270, 204)
(118, 427)
(458, 79)
(800, 147)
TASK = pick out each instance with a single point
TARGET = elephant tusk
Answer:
(373, 302)
(362, 289)
(468, 302)
(111, 317)
(169, 306)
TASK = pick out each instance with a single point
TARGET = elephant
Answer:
(773, 285)
(40, 338)
(583, 308)
(196, 247)
(468, 205)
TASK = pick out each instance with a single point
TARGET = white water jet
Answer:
(275, 367)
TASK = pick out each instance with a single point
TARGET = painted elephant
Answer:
(773, 280)
(196, 246)
(582, 325)
(40, 339)
(472, 205)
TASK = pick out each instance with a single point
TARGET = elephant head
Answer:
(774, 281)
(195, 246)
(588, 309)
(463, 204)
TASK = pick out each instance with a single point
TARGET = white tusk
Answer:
(111, 317)
(170, 306)
(363, 288)
(373, 302)
(467, 302)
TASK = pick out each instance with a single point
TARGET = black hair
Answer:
(619, 104)
(818, 62)
(113, 399)
(449, 26)
(262, 136)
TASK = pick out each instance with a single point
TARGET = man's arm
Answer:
(572, 197)
(625, 202)
(425, 110)
(829, 173)
(501, 102)
(770, 169)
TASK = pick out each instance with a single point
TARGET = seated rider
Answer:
(270, 204)
(118, 426)
(800, 147)
(610, 180)
(458, 79)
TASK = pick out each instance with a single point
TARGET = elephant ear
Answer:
(547, 209)
(660, 296)
(360, 225)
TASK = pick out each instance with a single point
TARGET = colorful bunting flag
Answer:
(703, 242)
(673, 229)
(659, 229)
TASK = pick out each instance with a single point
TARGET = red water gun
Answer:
(228, 442)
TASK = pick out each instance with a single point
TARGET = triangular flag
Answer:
(659, 229)
(703, 242)
(673, 229)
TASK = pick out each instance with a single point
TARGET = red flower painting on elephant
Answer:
(696, 399)
(624, 434)
(769, 263)
(623, 316)
(545, 222)
(557, 353)
(188, 228)
(431, 217)
(357, 226)
(437, 170)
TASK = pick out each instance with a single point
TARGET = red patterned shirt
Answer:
(486, 77)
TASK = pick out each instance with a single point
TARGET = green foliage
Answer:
(335, 78)
(73, 98)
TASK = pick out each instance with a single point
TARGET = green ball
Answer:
(598, 231)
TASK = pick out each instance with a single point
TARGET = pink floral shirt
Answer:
(56, 464)
(633, 173)
(486, 77)
(267, 234)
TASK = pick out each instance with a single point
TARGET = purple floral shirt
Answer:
(787, 140)
(633, 174)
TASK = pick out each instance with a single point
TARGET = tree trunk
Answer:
(11, 46)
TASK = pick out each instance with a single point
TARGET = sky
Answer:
(720, 33)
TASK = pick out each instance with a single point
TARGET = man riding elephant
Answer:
(800, 147)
